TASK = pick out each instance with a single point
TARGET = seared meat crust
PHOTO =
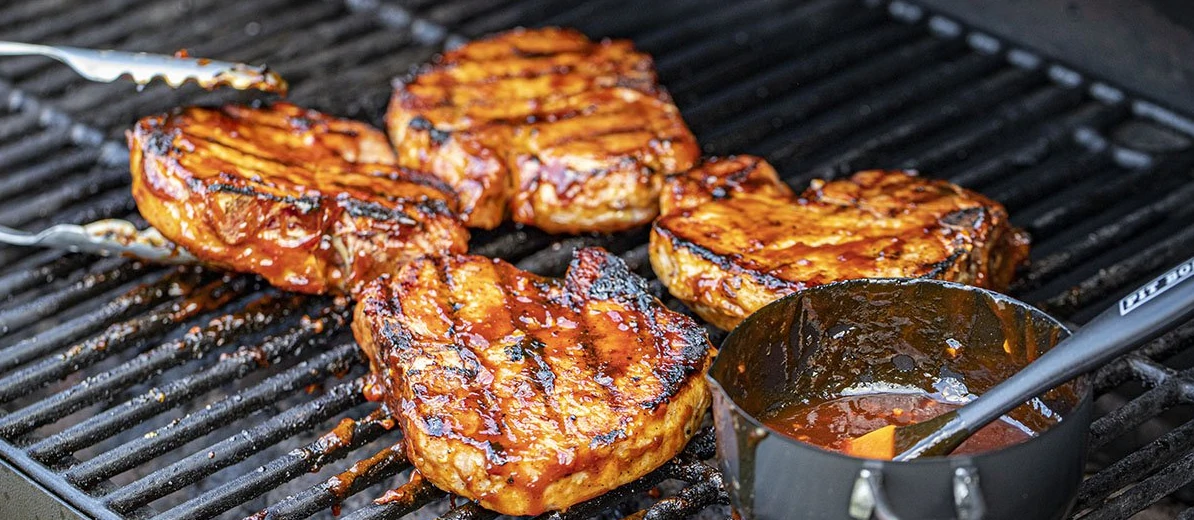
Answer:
(531, 394)
(312, 203)
(733, 237)
(545, 126)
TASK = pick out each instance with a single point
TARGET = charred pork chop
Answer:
(733, 237)
(546, 126)
(310, 202)
(530, 394)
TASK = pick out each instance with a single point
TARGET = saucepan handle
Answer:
(868, 501)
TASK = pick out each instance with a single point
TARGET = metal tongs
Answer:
(103, 237)
(108, 66)
(120, 237)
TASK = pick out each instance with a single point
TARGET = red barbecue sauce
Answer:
(829, 424)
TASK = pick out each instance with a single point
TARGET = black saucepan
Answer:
(846, 337)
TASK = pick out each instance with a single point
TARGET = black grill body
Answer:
(139, 391)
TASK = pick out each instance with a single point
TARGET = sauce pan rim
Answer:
(1083, 383)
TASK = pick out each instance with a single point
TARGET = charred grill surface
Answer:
(733, 237)
(545, 126)
(311, 202)
(531, 394)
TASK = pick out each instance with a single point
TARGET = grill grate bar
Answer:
(554, 259)
(139, 299)
(192, 345)
(18, 183)
(1122, 273)
(1137, 465)
(1175, 475)
(326, 449)
(88, 473)
(1053, 218)
(705, 491)
(1131, 415)
(738, 133)
(46, 202)
(834, 126)
(48, 29)
(328, 493)
(1033, 151)
(341, 54)
(412, 496)
(135, 37)
(509, 243)
(115, 338)
(742, 95)
(816, 60)
(812, 18)
(16, 124)
(1043, 103)
(112, 103)
(236, 448)
(40, 268)
(106, 275)
(1054, 176)
(508, 16)
(24, 11)
(962, 104)
(234, 366)
(36, 145)
(667, 39)
(588, 16)
(1172, 206)
(469, 511)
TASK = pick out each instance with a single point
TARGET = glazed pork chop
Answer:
(546, 127)
(529, 394)
(310, 202)
(733, 237)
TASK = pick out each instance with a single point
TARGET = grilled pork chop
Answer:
(312, 203)
(545, 125)
(530, 394)
(733, 237)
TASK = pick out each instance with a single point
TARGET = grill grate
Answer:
(138, 391)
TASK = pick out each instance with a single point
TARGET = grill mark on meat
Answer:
(725, 260)
(606, 439)
(563, 418)
(271, 191)
(478, 115)
(541, 374)
(305, 124)
(306, 203)
(734, 237)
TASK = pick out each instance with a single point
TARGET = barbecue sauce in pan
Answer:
(829, 424)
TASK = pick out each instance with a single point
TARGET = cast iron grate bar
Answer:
(234, 366)
(142, 449)
(235, 449)
(111, 273)
(193, 345)
(332, 491)
(139, 299)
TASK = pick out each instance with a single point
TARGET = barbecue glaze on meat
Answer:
(312, 203)
(527, 393)
(546, 126)
(733, 237)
